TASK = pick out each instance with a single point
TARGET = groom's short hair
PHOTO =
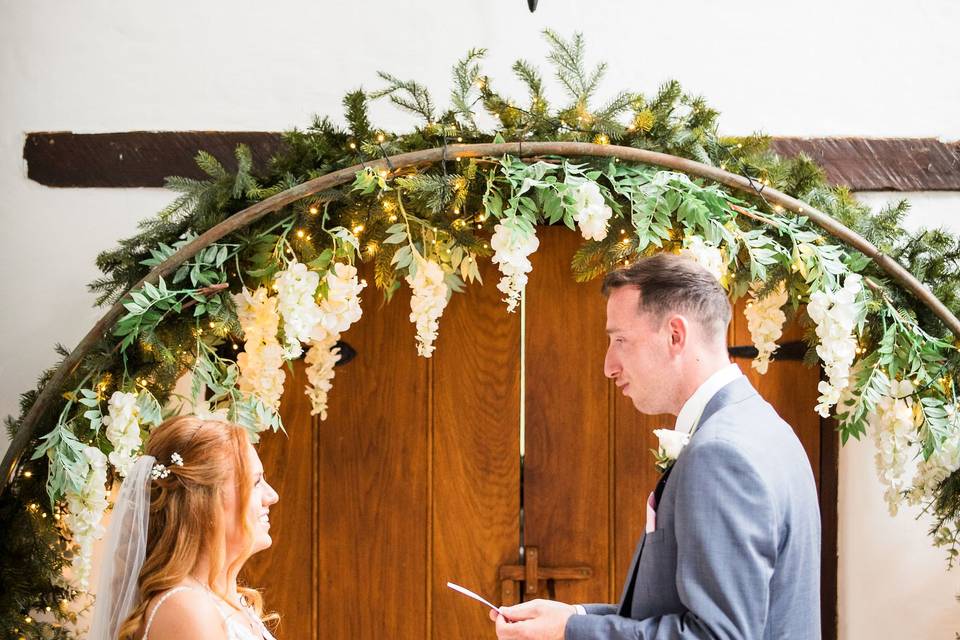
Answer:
(669, 283)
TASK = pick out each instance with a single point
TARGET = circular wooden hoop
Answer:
(251, 214)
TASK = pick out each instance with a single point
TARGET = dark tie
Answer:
(661, 485)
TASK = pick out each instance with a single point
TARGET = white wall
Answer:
(820, 68)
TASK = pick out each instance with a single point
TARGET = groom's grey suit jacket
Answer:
(736, 549)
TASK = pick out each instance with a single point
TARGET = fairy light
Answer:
(300, 233)
(459, 138)
(314, 210)
(353, 145)
(357, 230)
(235, 346)
(381, 138)
(28, 474)
(602, 139)
(392, 218)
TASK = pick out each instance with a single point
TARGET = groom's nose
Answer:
(610, 365)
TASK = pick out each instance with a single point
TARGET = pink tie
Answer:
(651, 514)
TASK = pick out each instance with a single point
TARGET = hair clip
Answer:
(160, 471)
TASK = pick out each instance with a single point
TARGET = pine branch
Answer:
(567, 58)
(466, 75)
(355, 104)
(414, 96)
(530, 76)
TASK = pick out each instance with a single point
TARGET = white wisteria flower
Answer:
(430, 295)
(512, 243)
(261, 362)
(765, 320)
(591, 211)
(296, 288)
(338, 310)
(123, 430)
(835, 313)
(84, 515)
(892, 421)
(672, 443)
(940, 465)
(706, 255)
(320, 360)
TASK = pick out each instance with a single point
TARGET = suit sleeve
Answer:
(726, 532)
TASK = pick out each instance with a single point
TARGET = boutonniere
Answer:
(671, 444)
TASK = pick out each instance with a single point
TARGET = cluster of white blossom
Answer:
(123, 430)
(341, 306)
(939, 466)
(835, 313)
(320, 360)
(430, 294)
(261, 362)
(85, 511)
(338, 310)
(765, 320)
(296, 288)
(893, 426)
(591, 211)
(708, 256)
(512, 243)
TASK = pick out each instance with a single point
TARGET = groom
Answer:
(732, 548)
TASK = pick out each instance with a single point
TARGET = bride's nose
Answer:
(270, 496)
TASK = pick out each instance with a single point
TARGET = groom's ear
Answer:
(677, 332)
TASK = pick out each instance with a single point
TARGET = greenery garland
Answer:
(449, 217)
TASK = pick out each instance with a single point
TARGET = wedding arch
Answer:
(242, 270)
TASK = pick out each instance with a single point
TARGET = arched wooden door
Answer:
(416, 477)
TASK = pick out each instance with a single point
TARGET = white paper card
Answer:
(471, 594)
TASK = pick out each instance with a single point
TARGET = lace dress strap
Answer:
(163, 599)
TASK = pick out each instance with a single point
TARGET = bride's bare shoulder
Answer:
(185, 614)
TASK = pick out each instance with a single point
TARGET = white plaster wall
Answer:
(820, 68)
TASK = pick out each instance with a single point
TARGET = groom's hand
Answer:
(534, 620)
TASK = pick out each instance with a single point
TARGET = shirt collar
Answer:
(693, 408)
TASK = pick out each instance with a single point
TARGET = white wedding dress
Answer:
(235, 629)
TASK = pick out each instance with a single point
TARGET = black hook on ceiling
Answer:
(532, 4)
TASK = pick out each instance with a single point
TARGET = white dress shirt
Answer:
(693, 408)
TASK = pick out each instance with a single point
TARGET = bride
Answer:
(189, 515)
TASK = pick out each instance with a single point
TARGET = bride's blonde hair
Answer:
(187, 515)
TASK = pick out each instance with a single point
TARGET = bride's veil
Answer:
(123, 553)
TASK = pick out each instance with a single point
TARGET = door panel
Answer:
(476, 455)
(567, 463)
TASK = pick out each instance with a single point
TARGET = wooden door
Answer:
(417, 478)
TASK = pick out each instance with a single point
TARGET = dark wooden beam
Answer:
(135, 158)
(145, 158)
(882, 164)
